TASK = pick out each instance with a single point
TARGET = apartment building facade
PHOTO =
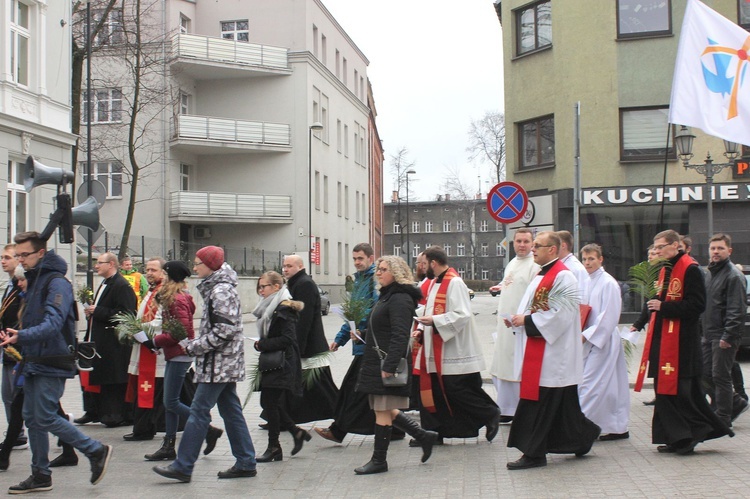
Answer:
(260, 138)
(590, 83)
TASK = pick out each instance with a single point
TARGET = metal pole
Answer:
(408, 228)
(89, 180)
(143, 253)
(709, 185)
(577, 188)
(309, 201)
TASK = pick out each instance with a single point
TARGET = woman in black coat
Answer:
(388, 333)
(277, 317)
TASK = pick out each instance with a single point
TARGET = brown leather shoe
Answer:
(327, 434)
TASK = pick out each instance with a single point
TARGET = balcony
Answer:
(207, 58)
(229, 208)
(210, 135)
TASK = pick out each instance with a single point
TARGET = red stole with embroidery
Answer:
(146, 377)
(531, 372)
(425, 380)
(669, 347)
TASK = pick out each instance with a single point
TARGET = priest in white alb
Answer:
(518, 274)
(604, 393)
(573, 264)
(547, 327)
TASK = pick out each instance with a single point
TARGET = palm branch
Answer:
(175, 329)
(644, 276)
(127, 324)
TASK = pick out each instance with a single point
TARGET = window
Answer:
(415, 251)
(109, 174)
(396, 228)
(323, 49)
(317, 190)
(184, 177)
(362, 88)
(184, 104)
(18, 201)
(325, 193)
(483, 226)
(356, 83)
(19, 44)
(345, 70)
(499, 250)
(346, 141)
(484, 249)
(396, 250)
(460, 224)
(364, 208)
(644, 133)
(338, 135)
(339, 201)
(446, 225)
(415, 227)
(638, 19)
(184, 24)
(362, 149)
(485, 274)
(743, 13)
(315, 40)
(428, 226)
(107, 106)
(324, 117)
(447, 249)
(346, 202)
(461, 272)
(340, 259)
(356, 206)
(111, 32)
(325, 255)
(537, 143)
(317, 245)
(338, 64)
(460, 249)
(534, 27)
(235, 30)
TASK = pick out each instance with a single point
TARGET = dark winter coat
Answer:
(182, 309)
(282, 336)
(9, 317)
(726, 303)
(49, 316)
(116, 297)
(390, 321)
(311, 337)
(688, 310)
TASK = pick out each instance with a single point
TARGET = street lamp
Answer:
(408, 227)
(314, 127)
(684, 141)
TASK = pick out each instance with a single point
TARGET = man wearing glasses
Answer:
(49, 331)
(104, 397)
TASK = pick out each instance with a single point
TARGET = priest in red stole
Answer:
(549, 361)
(682, 416)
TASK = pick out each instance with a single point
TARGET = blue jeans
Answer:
(206, 396)
(42, 398)
(174, 377)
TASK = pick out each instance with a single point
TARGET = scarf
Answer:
(265, 309)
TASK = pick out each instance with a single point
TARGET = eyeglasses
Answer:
(662, 246)
(261, 286)
(197, 264)
(537, 246)
(381, 269)
(25, 255)
(102, 263)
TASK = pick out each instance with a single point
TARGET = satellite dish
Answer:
(98, 191)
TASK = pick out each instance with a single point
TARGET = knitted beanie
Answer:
(212, 256)
(177, 270)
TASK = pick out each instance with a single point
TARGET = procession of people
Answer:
(559, 368)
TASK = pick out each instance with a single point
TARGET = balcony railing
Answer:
(231, 51)
(228, 130)
(229, 205)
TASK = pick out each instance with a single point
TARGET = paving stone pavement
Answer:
(461, 468)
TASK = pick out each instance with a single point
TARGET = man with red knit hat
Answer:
(219, 351)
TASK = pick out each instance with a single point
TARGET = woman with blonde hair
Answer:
(387, 340)
(277, 317)
(175, 303)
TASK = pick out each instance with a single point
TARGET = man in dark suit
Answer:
(104, 397)
(318, 401)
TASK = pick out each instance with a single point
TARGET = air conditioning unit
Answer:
(202, 232)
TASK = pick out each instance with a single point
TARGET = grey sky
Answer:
(434, 66)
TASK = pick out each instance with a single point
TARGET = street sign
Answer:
(507, 202)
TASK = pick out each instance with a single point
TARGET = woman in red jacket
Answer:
(175, 303)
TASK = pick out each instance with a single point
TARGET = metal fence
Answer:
(246, 261)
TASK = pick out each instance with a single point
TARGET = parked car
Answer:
(496, 289)
(325, 302)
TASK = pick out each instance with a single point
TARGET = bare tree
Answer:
(400, 164)
(487, 142)
(135, 68)
(463, 194)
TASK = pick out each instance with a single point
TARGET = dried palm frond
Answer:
(253, 376)
(356, 304)
(644, 277)
(174, 328)
(567, 297)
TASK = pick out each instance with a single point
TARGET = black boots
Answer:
(300, 436)
(378, 463)
(165, 453)
(67, 458)
(273, 452)
(425, 437)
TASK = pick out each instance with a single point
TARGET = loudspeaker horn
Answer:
(86, 214)
(35, 174)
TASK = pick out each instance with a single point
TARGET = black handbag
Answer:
(271, 361)
(401, 376)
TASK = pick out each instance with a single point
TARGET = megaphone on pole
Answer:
(86, 214)
(36, 174)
